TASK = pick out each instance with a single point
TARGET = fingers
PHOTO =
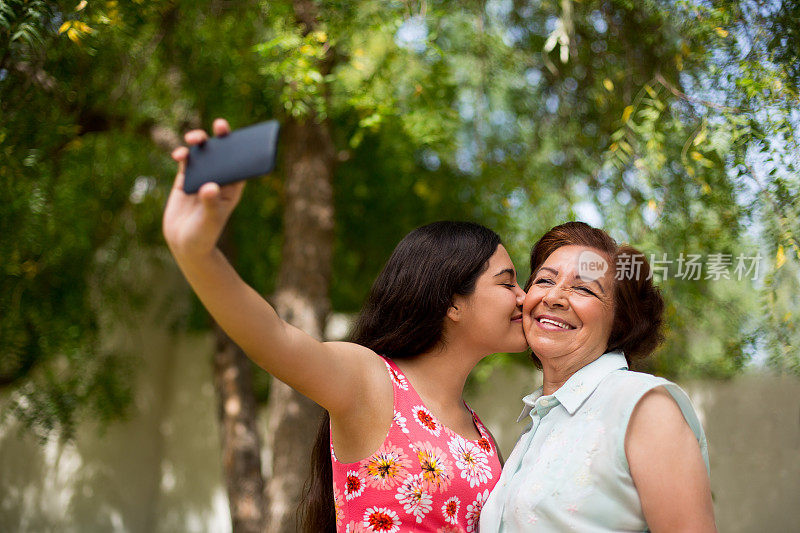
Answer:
(221, 127)
(179, 178)
(195, 137)
(209, 194)
(180, 153)
(212, 193)
(232, 192)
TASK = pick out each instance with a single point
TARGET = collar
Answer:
(580, 385)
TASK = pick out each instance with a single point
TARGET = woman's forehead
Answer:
(574, 256)
(582, 262)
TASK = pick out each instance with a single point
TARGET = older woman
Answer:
(606, 449)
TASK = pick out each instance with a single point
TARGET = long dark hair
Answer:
(403, 316)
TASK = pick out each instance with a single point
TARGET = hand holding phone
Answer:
(193, 223)
(245, 153)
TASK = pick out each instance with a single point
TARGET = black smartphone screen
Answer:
(244, 153)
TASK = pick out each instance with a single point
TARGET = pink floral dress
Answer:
(424, 477)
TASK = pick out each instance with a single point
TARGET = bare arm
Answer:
(667, 467)
(328, 373)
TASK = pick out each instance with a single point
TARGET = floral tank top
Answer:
(423, 478)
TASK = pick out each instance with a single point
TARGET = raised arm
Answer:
(328, 373)
(667, 467)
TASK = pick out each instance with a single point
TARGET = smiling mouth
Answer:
(516, 317)
(553, 322)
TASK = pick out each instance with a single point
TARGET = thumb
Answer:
(209, 195)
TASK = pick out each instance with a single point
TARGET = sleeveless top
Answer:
(424, 477)
(569, 471)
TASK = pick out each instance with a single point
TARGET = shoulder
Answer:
(624, 389)
(658, 425)
(369, 383)
(644, 404)
(657, 397)
(621, 390)
(361, 420)
(362, 359)
(645, 400)
(666, 457)
(657, 409)
(628, 380)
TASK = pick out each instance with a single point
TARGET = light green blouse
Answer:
(568, 471)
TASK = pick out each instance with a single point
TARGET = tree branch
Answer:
(680, 94)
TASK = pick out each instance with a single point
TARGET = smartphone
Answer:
(244, 153)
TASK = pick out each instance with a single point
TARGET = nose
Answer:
(555, 297)
(520, 294)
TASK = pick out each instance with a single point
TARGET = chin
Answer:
(519, 348)
(514, 347)
(545, 350)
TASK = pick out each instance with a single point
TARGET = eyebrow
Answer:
(506, 271)
(555, 272)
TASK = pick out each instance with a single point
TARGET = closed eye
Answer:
(585, 290)
(543, 280)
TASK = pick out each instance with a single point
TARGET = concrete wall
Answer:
(160, 471)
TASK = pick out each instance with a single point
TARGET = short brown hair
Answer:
(638, 305)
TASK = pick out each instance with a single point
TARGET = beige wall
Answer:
(159, 471)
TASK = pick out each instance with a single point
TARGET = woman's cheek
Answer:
(527, 308)
(527, 324)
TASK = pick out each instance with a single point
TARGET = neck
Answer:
(557, 370)
(439, 374)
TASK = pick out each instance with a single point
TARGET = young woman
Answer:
(404, 449)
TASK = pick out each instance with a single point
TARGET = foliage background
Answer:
(671, 124)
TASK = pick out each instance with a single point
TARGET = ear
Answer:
(454, 313)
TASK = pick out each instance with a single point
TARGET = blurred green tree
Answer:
(670, 124)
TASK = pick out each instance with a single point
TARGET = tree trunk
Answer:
(302, 300)
(241, 445)
(301, 297)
